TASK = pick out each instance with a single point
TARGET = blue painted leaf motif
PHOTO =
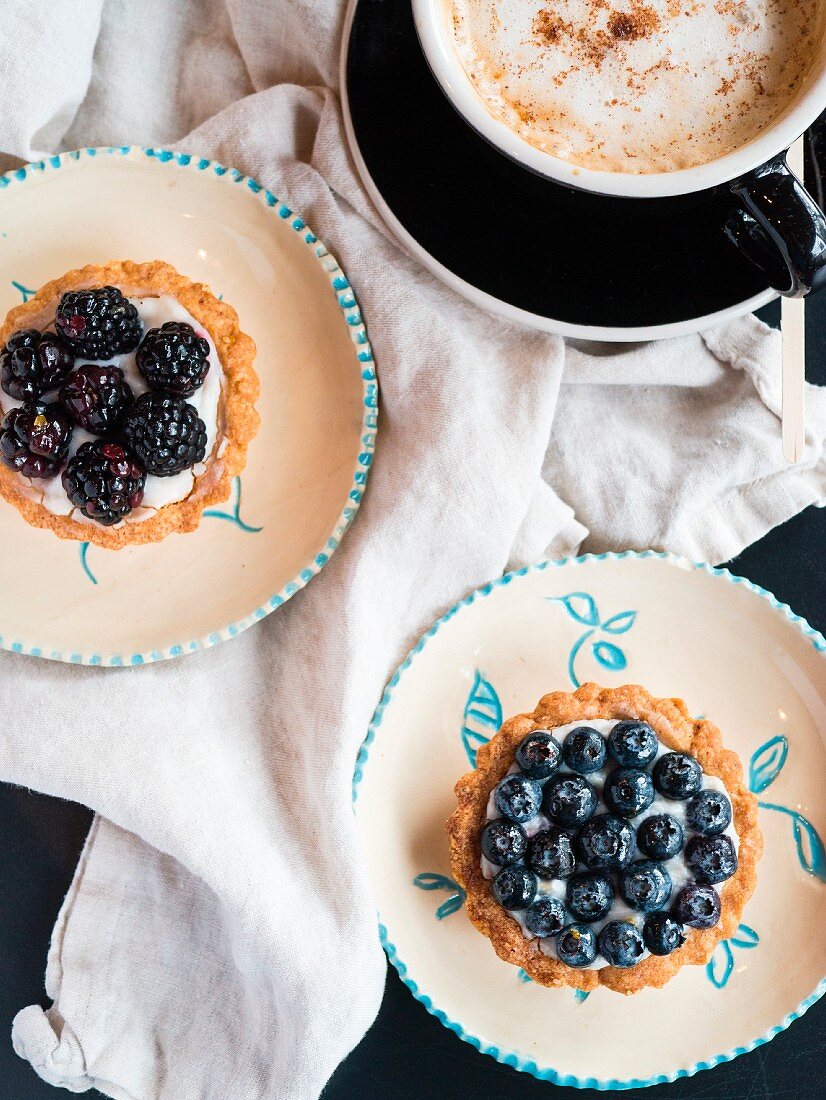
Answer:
(482, 716)
(25, 292)
(453, 904)
(810, 850)
(581, 996)
(720, 965)
(84, 562)
(767, 763)
(609, 655)
(618, 624)
(233, 516)
(580, 606)
(745, 937)
(429, 881)
(523, 975)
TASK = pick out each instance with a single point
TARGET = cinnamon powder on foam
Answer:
(630, 52)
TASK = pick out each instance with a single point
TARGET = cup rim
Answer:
(436, 43)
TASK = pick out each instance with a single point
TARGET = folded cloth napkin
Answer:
(219, 938)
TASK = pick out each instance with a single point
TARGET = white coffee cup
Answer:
(773, 216)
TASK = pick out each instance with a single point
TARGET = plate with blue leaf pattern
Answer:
(735, 655)
(307, 468)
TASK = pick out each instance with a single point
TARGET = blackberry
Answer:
(98, 324)
(165, 432)
(34, 438)
(104, 481)
(96, 397)
(34, 362)
(173, 359)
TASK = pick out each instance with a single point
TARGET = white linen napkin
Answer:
(219, 937)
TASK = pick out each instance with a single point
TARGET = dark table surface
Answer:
(407, 1053)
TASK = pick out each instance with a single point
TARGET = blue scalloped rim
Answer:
(509, 1058)
(348, 304)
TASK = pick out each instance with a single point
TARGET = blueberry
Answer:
(518, 798)
(628, 791)
(576, 945)
(546, 917)
(645, 885)
(606, 842)
(514, 887)
(662, 934)
(677, 775)
(697, 905)
(709, 812)
(633, 744)
(584, 750)
(569, 799)
(660, 836)
(620, 943)
(503, 842)
(589, 897)
(539, 754)
(551, 853)
(711, 858)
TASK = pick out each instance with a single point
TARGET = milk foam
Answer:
(638, 85)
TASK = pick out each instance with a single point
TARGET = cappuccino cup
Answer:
(648, 99)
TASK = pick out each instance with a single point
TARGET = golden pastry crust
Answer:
(678, 731)
(237, 419)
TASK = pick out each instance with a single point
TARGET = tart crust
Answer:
(237, 419)
(678, 731)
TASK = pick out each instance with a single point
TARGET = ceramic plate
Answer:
(308, 465)
(512, 242)
(734, 654)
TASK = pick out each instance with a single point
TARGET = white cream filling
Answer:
(676, 867)
(158, 491)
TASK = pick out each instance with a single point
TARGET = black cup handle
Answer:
(780, 228)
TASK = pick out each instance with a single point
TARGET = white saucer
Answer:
(735, 655)
(308, 465)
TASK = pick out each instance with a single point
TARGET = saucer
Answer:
(307, 467)
(735, 655)
(519, 245)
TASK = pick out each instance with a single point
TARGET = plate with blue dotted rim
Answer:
(735, 655)
(306, 469)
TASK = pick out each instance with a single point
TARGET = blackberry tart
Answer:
(606, 839)
(127, 403)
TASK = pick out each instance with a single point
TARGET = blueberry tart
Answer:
(127, 403)
(606, 839)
